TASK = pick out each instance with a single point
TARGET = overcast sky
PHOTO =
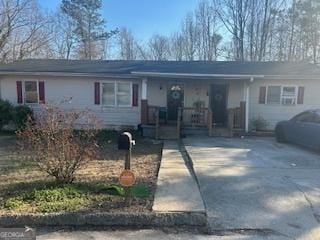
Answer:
(143, 17)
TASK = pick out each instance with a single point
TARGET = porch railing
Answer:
(195, 117)
(236, 117)
(186, 117)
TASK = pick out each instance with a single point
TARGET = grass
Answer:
(26, 189)
(52, 197)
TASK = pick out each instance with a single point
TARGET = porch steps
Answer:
(168, 132)
(221, 132)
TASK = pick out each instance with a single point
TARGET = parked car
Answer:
(303, 129)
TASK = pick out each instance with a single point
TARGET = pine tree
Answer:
(88, 24)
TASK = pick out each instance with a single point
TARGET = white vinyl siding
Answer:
(273, 113)
(77, 93)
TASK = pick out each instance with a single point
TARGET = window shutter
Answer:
(300, 95)
(19, 92)
(41, 92)
(135, 95)
(97, 93)
(262, 95)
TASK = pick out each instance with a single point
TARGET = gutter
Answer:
(230, 76)
(203, 75)
(139, 75)
(64, 74)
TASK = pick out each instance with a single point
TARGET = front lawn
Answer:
(25, 189)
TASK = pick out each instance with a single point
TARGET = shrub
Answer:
(258, 124)
(20, 115)
(51, 141)
(13, 203)
(5, 113)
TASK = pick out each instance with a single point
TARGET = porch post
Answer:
(144, 102)
(246, 100)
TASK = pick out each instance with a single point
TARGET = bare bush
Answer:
(52, 141)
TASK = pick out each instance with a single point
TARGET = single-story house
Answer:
(151, 94)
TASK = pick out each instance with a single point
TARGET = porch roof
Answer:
(162, 68)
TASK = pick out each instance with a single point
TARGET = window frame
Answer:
(281, 95)
(267, 91)
(115, 83)
(25, 92)
(295, 94)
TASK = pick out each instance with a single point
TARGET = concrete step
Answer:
(221, 132)
(168, 133)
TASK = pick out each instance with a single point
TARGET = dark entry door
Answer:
(219, 103)
(174, 100)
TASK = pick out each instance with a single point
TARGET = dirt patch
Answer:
(17, 175)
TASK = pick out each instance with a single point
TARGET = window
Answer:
(108, 94)
(124, 94)
(31, 94)
(288, 95)
(285, 95)
(273, 95)
(116, 94)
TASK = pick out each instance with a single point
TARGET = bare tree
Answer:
(159, 47)
(22, 30)
(234, 15)
(63, 41)
(127, 44)
(189, 32)
(207, 27)
(177, 46)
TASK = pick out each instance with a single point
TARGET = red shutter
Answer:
(135, 95)
(262, 95)
(300, 95)
(19, 92)
(97, 93)
(42, 98)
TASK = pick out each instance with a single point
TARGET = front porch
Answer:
(192, 122)
(174, 108)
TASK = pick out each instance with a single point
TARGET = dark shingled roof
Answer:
(182, 67)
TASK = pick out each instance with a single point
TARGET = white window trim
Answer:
(281, 95)
(115, 94)
(24, 92)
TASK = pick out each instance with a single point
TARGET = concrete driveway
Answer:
(257, 184)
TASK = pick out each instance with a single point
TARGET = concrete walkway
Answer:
(177, 190)
(257, 183)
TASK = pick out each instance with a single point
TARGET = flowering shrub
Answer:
(51, 141)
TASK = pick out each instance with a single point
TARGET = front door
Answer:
(219, 103)
(174, 100)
